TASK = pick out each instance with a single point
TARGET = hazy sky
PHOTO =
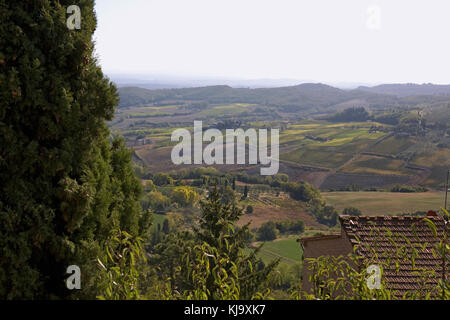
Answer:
(368, 41)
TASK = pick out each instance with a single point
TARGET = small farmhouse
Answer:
(372, 235)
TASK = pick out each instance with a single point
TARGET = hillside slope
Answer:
(309, 96)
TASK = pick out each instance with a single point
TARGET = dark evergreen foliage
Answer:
(63, 185)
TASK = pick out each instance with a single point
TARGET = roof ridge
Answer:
(319, 236)
(380, 217)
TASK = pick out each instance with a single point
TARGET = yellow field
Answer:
(385, 203)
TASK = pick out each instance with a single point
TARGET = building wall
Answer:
(323, 247)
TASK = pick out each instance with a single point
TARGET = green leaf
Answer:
(431, 225)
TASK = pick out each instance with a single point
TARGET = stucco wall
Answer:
(333, 246)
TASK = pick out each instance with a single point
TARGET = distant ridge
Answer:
(174, 82)
(302, 95)
(408, 89)
(316, 97)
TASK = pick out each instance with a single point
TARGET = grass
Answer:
(365, 164)
(288, 249)
(385, 203)
(149, 114)
(148, 108)
(343, 140)
(393, 145)
(356, 145)
(225, 110)
(316, 157)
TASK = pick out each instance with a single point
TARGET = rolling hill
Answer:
(409, 89)
(308, 97)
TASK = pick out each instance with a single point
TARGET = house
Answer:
(375, 241)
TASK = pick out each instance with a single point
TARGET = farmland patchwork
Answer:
(213, 153)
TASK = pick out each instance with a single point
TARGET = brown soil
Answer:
(264, 213)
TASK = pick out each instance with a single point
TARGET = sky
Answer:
(365, 41)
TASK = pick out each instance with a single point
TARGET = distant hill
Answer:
(135, 96)
(311, 97)
(160, 81)
(300, 96)
(409, 89)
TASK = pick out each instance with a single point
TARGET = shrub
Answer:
(184, 196)
(324, 214)
(301, 191)
(290, 226)
(407, 189)
(297, 226)
(162, 179)
(267, 232)
(351, 211)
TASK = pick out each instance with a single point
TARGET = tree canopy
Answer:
(65, 184)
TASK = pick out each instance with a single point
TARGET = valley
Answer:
(356, 147)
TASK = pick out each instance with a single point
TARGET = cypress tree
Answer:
(217, 228)
(64, 185)
(166, 227)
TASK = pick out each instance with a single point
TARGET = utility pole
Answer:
(444, 271)
(446, 190)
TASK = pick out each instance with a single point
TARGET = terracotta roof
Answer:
(319, 237)
(373, 237)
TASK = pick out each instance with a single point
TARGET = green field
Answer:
(288, 249)
(148, 114)
(356, 145)
(226, 110)
(340, 147)
(336, 134)
(393, 145)
(376, 165)
(316, 157)
(385, 203)
(326, 144)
